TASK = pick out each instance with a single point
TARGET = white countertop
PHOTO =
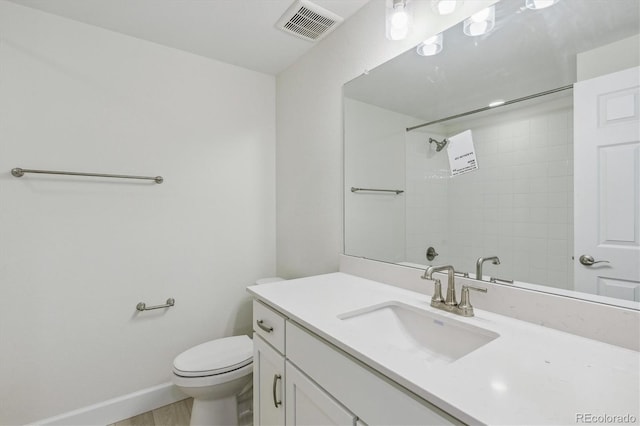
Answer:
(529, 375)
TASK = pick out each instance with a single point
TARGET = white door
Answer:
(607, 185)
(268, 384)
(309, 405)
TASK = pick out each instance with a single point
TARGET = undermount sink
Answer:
(412, 331)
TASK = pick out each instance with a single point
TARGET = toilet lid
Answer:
(214, 357)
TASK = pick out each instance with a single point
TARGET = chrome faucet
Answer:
(451, 283)
(480, 261)
(450, 304)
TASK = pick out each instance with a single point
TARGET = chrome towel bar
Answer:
(18, 172)
(397, 191)
(143, 307)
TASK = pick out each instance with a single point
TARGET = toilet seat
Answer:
(216, 379)
(215, 357)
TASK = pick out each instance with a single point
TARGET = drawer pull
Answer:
(264, 327)
(276, 377)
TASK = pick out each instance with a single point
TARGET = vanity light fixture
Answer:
(444, 7)
(539, 4)
(431, 46)
(398, 19)
(480, 22)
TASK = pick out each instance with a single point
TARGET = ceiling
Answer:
(528, 52)
(239, 32)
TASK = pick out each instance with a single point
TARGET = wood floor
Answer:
(176, 414)
(179, 413)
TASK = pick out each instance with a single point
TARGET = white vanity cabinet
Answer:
(268, 366)
(268, 384)
(308, 381)
(375, 399)
(308, 404)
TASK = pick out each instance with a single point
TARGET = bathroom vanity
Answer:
(308, 381)
(340, 349)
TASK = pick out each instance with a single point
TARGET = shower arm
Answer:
(439, 145)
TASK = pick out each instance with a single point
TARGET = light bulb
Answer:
(481, 16)
(398, 19)
(427, 49)
(481, 22)
(433, 40)
(539, 4)
(431, 46)
(398, 33)
(478, 28)
(444, 7)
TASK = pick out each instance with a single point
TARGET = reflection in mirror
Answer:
(537, 200)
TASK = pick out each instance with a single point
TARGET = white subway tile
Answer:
(558, 168)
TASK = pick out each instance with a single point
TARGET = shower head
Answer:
(439, 145)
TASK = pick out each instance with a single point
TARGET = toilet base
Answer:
(214, 412)
(214, 405)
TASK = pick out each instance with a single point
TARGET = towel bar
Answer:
(18, 172)
(143, 306)
(397, 191)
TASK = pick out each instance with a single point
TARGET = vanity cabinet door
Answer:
(268, 384)
(308, 404)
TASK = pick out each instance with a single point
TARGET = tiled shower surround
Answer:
(517, 205)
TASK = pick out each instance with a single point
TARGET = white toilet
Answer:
(214, 373)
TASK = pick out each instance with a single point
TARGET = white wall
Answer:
(609, 58)
(78, 254)
(375, 158)
(309, 131)
(379, 153)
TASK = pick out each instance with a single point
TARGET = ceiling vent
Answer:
(308, 20)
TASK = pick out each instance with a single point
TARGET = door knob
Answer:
(587, 260)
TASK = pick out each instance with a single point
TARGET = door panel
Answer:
(268, 384)
(607, 184)
(309, 405)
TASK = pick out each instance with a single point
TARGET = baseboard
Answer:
(120, 408)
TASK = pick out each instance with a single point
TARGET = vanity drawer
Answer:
(269, 325)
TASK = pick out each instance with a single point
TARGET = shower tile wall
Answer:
(517, 205)
(427, 215)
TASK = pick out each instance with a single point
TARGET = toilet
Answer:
(214, 373)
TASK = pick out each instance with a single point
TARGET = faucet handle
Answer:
(437, 299)
(475, 288)
(499, 280)
(465, 307)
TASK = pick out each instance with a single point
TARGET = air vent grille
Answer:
(308, 20)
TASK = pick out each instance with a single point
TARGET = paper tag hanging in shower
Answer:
(462, 154)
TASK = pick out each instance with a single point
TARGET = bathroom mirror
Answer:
(403, 206)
